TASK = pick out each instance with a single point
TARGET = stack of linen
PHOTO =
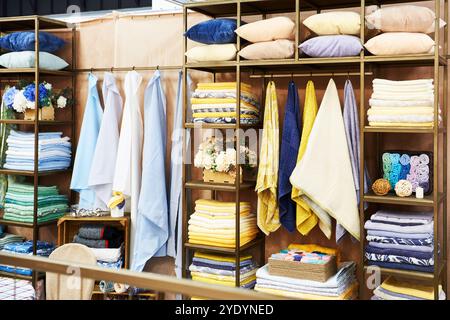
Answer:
(101, 237)
(402, 103)
(400, 240)
(14, 289)
(108, 258)
(394, 289)
(214, 223)
(44, 249)
(341, 286)
(19, 200)
(216, 103)
(217, 269)
(6, 238)
(54, 151)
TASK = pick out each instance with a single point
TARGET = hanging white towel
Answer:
(325, 174)
(104, 161)
(152, 227)
(87, 142)
(127, 174)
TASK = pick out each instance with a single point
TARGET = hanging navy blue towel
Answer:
(290, 143)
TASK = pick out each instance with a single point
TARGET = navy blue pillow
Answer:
(216, 31)
(24, 41)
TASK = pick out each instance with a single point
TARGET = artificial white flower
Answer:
(231, 157)
(20, 102)
(221, 162)
(208, 162)
(198, 160)
(30, 104)
(48, 86)
(252, 159)
(61, 102)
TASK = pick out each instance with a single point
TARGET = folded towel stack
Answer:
(98, 236)
(108, 258)
(216, 103)
(402, 103)
(6, 238)
(217, 269)
(54, 151)
(44, 249)
(400, 240)
(341, 286)
(19, 201)
(393, 289)
(214, 223)
(14, 289)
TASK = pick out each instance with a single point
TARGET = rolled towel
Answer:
(404, 159)
(121, 288)
(424, 159)
(106, 286)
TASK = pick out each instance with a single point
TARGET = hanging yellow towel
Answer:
(306, 219)
(324, 174)
(267, 181)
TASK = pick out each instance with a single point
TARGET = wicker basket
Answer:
(220, 177)
(307, 271)
(45, 113)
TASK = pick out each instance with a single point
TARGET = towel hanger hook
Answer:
(112, 69)
(134, 68)
(157, 67)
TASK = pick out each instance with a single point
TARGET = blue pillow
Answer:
(332, 46)
(216, 31)
(24, 41)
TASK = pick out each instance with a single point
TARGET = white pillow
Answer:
(267, 30)
(278, 49)
(26, 59)
(398, 43)
(334, 23)
(403, 18)
(212, 52)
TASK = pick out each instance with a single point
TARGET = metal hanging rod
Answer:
(124, 69)
(310, 74)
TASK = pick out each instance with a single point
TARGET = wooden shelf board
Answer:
(26, 224)
(93, 219)
(41, 122)
(229, 251)
(28, 23)
(410, 201)
(31, 173)
(32, 71)
(398, 130)
(199, 184)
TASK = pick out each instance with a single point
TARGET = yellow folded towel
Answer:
(409, 288)
(220, 258)
(221, 115)
(222, 85)
(220, 282)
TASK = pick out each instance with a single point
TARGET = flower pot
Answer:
(45, 113)
(220, 177)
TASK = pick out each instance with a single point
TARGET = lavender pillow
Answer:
(332, 46)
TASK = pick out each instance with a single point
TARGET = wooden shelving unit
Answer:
(362, 64)
(37, 24)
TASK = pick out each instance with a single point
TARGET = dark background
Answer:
(10, 8)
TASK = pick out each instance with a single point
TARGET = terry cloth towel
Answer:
(90, 127)
(152, 225)
(104, 161)
(98, 232)
(383, 294)
(399, 252)
(400, 216)
(267, 180)
(390, 227)
(401, 266)
(306, 220)
(381, 245)
(114, 243)
(7, 238)
(390, 234)
(351, 124)
(221, 208)
(328, 191)
(128, 171)
(290, 143)
(107, 255)
(399, 259)
(410, 288)
(350, 294)
(244, 272)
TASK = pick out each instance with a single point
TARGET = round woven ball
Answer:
(403, 188)
(381, 187)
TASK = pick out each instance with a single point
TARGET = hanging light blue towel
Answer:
(290, 144)
(90, 127)
(152, 226)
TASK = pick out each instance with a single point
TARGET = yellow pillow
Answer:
(334, 23)
(267, 30)
(212, 52)
(402, 18)
(278, 49)
(398, 43)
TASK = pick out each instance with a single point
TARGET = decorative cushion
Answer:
(24, 41)
(398, 43)
(333, 23)
(332, 46)
(403, 18)
(278, 49)
(267, 30)
(26, 59)
(216, 31)
(212, 52)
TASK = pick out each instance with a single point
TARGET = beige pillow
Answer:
(278, 49)
(334, 23)
(398, 43)
(403, 18)
(267, 30)
(212, 52)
